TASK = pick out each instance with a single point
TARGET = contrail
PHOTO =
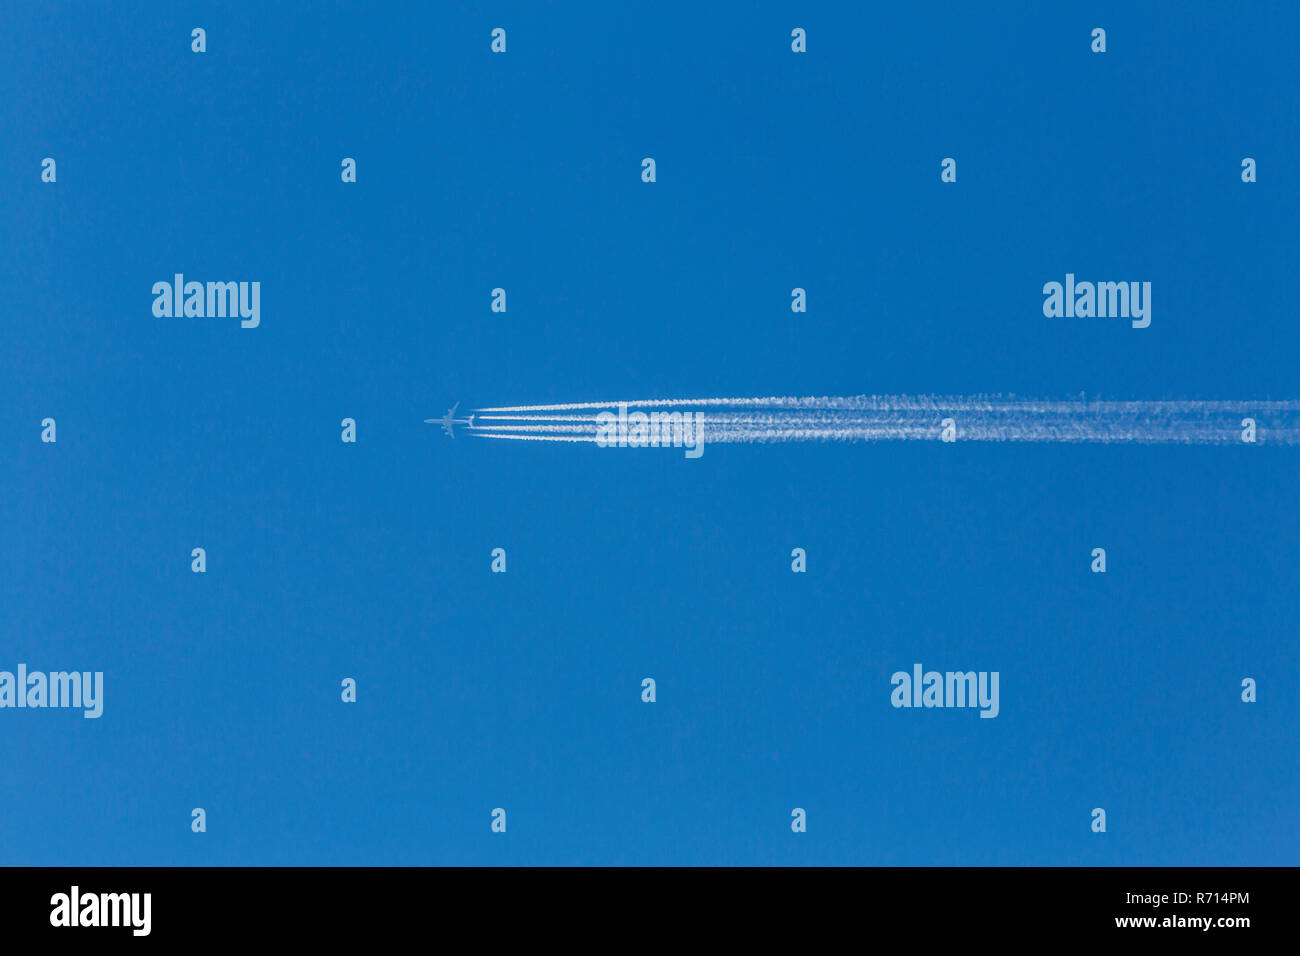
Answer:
(537, 418)
(984, 418)
(903, 402)
(590, 438)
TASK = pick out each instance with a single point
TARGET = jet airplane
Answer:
(449, 421)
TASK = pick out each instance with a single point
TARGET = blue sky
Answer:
(774, 170)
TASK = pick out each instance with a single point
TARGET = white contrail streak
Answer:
(529, 427)
(984, 418)
(589, 438)
(536, 418)
(908, 402)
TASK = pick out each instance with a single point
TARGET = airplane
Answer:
(450, 419)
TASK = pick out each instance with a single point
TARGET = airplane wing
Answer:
(446, 426)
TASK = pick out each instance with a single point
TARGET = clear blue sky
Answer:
(522, 690)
